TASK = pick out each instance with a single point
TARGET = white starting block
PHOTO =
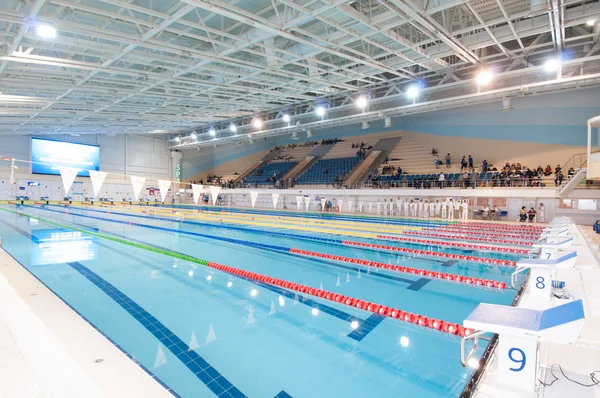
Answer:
(543, 271)
(519, 332)
(550, 246)
(555, 231)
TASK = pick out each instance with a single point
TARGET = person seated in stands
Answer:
(399, 171)
(448, 161)
(548, 171)
(559, 179)
(557, 169)
(484, 166)
(571, 172)
(531, 214)
(470, 160)
(485, 212)
(325, 171)
(353, 145)
(404, 181)
(362, 144)
(463, 163)
(523, 214)
(386, 160)
(434, 152)
(519, 167)
(494, 212)
(540, 171)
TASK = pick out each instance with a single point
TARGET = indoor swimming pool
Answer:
(308, 308)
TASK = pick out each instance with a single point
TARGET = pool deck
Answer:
(578, 360)
(48, 350)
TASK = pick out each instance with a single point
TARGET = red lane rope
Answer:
(390, 312)
(472, 238)
(471, 233)
(453, 244)
(408, 270)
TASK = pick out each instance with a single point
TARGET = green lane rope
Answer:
(115, 239)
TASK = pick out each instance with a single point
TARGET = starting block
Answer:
(555, 231)
(550, 246)
(543, 271)
(520, 331)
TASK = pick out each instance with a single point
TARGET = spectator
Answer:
(541, 212)
(386, 160)
(548, 171)
(463, 164)
(558, 169)
(559, 179)
(434, 152)
(473, 179)
(436, 161)
(484, 166)
(540, 171)
(571, 172)
(531, 214)
(448, 161)
(442, 180)
(494, 212)
(486, 212)
(470, 162)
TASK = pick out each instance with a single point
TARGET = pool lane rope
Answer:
(382, 310)
(307, 253)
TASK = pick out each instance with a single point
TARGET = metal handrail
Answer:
(475, 337)
(513, 277)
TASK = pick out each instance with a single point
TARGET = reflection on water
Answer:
(56, 246)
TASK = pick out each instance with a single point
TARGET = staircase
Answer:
(572, 183)
(300, 168)
(360, 172)
(248, 170)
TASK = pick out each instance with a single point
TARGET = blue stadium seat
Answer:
(277, 169)
(337, 167)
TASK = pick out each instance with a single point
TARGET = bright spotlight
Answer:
(473, 363)
(232, 128)
(229, 284)
(286, 118)
(591, 22)
(212, 132)
(552, 65)
(209, 277)
(315, 312)
(361, 102)
(404, 341)
(354, 324)
(193, 135)
(46, 31)
(484, 77)
(257, 123)
(412, 92)
(253, 292)
(177, 139)
(320, 111)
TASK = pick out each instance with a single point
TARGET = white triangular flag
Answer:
(214, 193)
(337, 283)
(323, 201)
(97, 178)
(253, 196)
(350, 206)
(307, 201)
(358, 275)
(348, 277)
(161, 358)
(163, 187)
(211, 335)
(193, 342)
(68, 175)
(250, 316)
(275, 199)
(272, 310)
(298, 202)
(138, 184)
(197, 190)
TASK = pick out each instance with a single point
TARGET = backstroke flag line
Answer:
(68, 175)
(97, 178)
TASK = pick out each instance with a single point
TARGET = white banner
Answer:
(197, 190)
(306, 201)
(97, 178)
(214, 193)
(275, 199)
(163, 186)
(138, 185)
(253, 196)
(68, 175)
(323, 201)
(299, 202)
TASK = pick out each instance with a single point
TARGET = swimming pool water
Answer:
(207, 333)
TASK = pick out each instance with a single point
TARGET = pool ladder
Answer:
(475, 337)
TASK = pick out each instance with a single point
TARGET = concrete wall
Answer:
(556, 120)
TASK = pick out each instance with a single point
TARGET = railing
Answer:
(361, 168)
(247, 170)
(466, 183)
(576, 161)
(464, 360)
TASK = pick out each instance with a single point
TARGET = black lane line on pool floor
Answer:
(366, 326)
(415, 285)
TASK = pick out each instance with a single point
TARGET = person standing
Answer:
(413, 208)
(465, 209)
(420, 206)
(432, 209)
(448, 161)
(451, 209)
(437, 208)
(426, 209)
(457, 208)
(405, 205)
(541, 213)
(473, 179)
(463, 163)
(378, 207)
(470, 161)
(444, 207)
(442, 180)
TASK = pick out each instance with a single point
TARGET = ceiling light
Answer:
(361, 102)
(388, 122)
(552, 65)
(309, 133)
(320, 111)
(286, 118)
(412, 92)
(365, 125)
(257, 123)
(46, 31)
(295, 135)
(177, 139)
(193, 135)
(484, 77)
(233, 128)
(591, 22)
(212, 132)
